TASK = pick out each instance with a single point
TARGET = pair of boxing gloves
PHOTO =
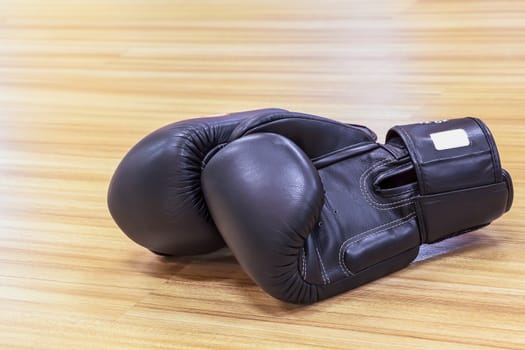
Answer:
(310, 207)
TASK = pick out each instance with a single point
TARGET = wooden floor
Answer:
(82, 81)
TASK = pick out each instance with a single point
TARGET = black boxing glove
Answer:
(307, 228)
(155, 194)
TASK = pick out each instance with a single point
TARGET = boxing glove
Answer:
(155, 193)
(307, 228)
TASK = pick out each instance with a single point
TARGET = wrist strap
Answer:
(459, 174)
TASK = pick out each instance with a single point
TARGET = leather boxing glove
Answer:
(155, 194)
(307, 228)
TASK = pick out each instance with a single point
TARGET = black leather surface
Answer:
(307, 229)
(459, 187)
(446, 170)
(155, 195)
(266, 195)
(300, 128)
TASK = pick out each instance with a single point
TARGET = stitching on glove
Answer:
(368, 233)
(324, 275)
(369, 198)
(303, 265)
(386, 173)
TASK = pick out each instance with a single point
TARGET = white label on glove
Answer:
(450, 139)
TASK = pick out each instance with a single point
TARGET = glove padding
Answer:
(307, 228)
(155, 194)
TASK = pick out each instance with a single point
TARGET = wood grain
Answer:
(81, 82)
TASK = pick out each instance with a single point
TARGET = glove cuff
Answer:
(461, 183)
